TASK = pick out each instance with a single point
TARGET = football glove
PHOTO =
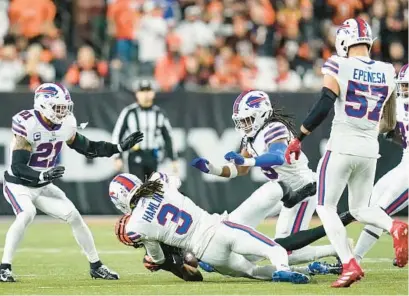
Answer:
(235, 157)
(149, 264)
(130, 141)
(293, 147)
(52, 174)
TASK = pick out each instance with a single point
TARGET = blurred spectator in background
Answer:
(397, 55)
(89, 20)
(4, 20)
(87, 72)
(199, 68)
(193, 31)
(227, 69)
(243, 40)
(287, 80)
(170, 70)
(123, 19)
(60, 60)
(151, 38)
(11, 68)
(32, 19)
(37, 71)
(344, 9)
(313, 79)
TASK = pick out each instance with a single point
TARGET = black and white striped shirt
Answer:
(152, 122)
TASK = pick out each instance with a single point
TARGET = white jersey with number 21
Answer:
(365, 86)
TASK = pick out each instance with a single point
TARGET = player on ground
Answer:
(363, 93)
(38, 137)
(161, 214)
(266, 132)
(391, 191)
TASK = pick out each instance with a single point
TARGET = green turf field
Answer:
(49, 262)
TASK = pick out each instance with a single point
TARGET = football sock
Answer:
(5, 266)
(95, 265)
(374, 216)
(311, 253)
(304, 238)
(14, 235)
(336, 232)
(369, 236)
(83, 236)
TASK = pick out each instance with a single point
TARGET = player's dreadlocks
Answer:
(278, 115)
(147, 189)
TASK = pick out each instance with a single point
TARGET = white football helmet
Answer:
(121, 190)
(402, 83)
(53, 101)
(352, 32)
(251, 109)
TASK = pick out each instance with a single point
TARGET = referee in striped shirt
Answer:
(142, 160)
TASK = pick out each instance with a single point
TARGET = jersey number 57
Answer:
(357, 93)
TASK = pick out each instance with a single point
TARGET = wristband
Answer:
(233, 170)
(249, 162)
(301, 136)
(215, 170)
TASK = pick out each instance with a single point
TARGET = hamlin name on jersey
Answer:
(295, 175)
(365, 86)
(173, 219)
(46, 142)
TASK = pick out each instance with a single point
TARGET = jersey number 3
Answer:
(356, 94)
(183, 219)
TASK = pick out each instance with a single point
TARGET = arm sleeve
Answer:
(320, 109)
(274, 156)
(154, 250)
(166, 130)
(20, 168)
(92, 149)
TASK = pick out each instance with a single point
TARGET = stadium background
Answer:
(199, 55)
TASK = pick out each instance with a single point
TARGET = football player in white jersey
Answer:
(266, 133)
(391, 191)
(362, 91)
(38, 137)
(161, 214)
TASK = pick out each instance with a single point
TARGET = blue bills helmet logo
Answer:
(48, 91)
(254, 101)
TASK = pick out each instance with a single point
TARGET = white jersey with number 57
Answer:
(365, 86)
(173, 219)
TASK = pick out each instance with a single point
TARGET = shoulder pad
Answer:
(331, 66)
(275, 131)
(22, 123)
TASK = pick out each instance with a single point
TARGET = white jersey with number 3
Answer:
(46, 142)
(173, 219)
(365, 86)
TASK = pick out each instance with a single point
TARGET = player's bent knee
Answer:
(28, 214)
(72, 216)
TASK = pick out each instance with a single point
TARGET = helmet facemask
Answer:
(402, 90)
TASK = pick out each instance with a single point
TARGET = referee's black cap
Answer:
(145, 85)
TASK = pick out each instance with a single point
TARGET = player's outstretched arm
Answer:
(388, 120)
(316, 116)
(229, 170)
(19, 164)
(274, 156)
(92, 149)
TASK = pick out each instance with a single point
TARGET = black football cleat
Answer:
(104, 273)
(6, 276)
